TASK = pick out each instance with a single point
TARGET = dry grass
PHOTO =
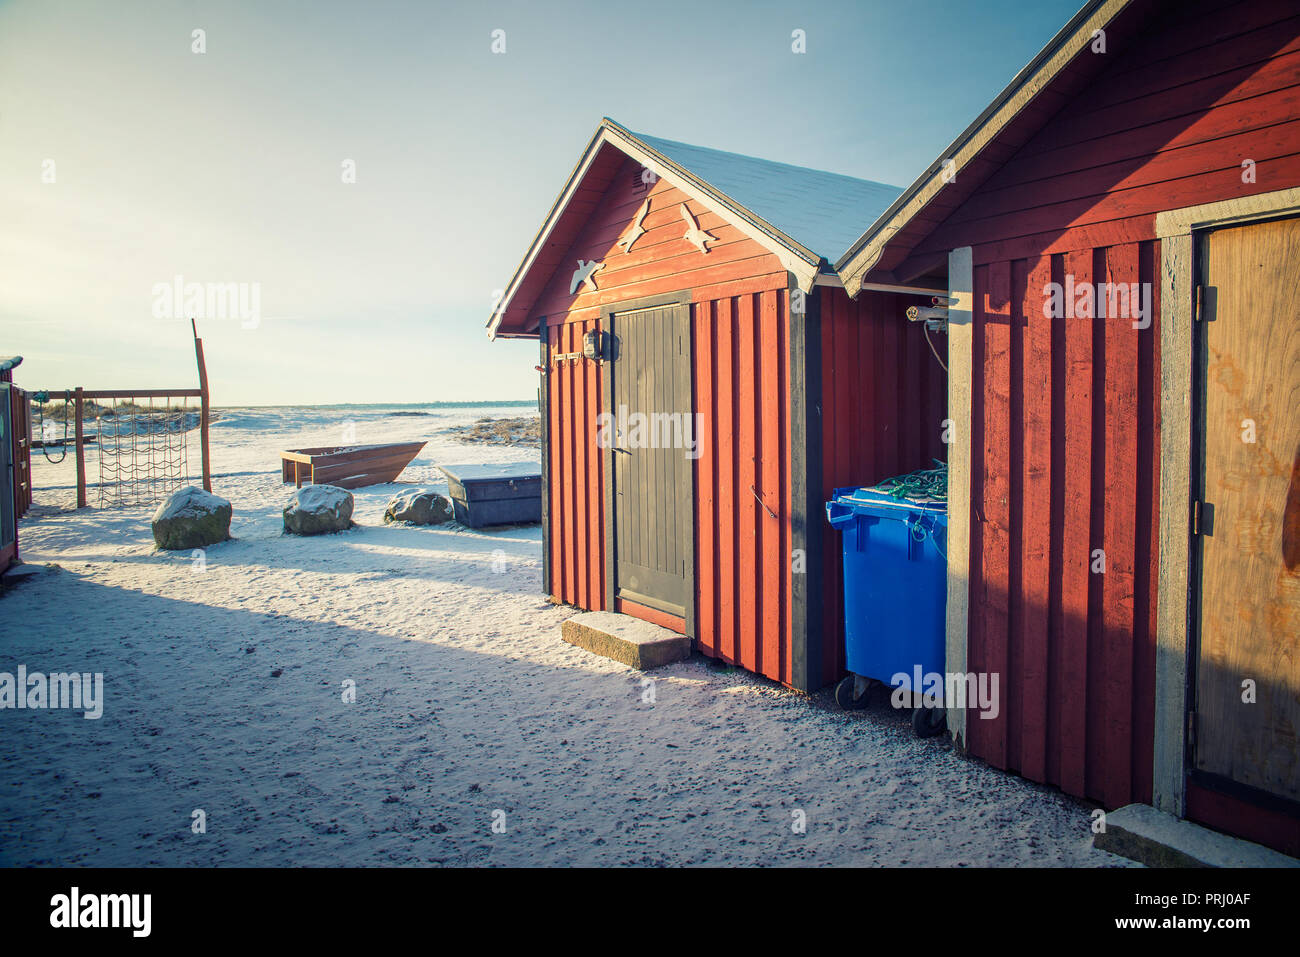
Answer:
(56, 410)
(524, 430)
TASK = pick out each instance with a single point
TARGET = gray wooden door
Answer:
(651, 471)
(1248, 657)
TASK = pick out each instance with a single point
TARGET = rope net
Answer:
(922, 484)
(142, 451)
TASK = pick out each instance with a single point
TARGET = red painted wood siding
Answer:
(1208, 85)
(884, 397)
(740, 329)
(575, 479)
(1065, 450)
(742, 481)
(1268, 826)
(741, 387)
(661, 261)
(1066, 413)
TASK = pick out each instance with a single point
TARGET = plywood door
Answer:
(1249, 602)
(651, 404)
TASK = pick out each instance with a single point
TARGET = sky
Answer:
(128, 159)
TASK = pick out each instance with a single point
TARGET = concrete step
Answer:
(1141, 833)
(26, 571)
(636, 643)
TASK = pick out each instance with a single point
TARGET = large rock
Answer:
(191, 518)
(421, 507)
(317, 509)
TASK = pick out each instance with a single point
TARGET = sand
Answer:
(477, 737)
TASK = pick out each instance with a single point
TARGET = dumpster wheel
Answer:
(927, 721)
(853, 693)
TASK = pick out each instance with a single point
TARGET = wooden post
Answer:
(961, 316)
(81, 450)
(203, 407)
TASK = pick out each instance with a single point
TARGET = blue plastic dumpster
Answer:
(895, 591)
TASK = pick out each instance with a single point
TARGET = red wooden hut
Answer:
(1124, 528)
(685, 281)
(15, 460)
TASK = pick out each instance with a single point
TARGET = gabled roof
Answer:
(1064, 66)
(821, 211)
(804, 216)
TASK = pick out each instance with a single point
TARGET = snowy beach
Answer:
(225, 680)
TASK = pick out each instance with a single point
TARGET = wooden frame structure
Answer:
(81, 395)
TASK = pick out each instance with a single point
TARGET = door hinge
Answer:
(1200, 301)
(1196, 517)
(1190, 731)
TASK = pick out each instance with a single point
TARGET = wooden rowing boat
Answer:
(348, 466)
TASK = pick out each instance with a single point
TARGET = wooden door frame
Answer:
(544, 410)
(1177, 231)
(684, 298)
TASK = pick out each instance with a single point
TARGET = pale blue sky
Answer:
(226, 166)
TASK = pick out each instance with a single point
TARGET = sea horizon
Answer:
(467, 404)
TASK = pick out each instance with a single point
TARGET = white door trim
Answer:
(960, 376)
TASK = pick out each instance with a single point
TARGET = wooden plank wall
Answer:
(1066, 414)
(884, 397)
(575, 485)
(661, 260)
(1065, 462)
(742, 481)
(740, 382)
(1210, 84)
(739, 301)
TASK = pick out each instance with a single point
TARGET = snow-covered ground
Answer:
(224, 691)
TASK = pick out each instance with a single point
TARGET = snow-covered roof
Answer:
(806, 217)
(822, 211)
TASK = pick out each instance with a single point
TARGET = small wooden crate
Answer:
(495, 494)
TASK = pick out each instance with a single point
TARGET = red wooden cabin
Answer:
(15, 460)
(712, 288)
(1155, 143)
